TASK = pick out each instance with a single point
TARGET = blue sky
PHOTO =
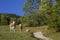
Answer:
(12, 6)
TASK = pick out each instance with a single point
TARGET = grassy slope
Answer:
(6, 35)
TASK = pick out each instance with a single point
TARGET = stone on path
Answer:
(40, 35)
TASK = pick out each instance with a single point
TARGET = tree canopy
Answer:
(42, 12)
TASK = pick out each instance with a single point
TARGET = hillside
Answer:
(5, 34)
(5, 18)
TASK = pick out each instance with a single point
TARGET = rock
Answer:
(40, 35)
(27, 30)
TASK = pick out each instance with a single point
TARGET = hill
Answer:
(5, 34)
(5, 18)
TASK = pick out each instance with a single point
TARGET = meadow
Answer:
(5, 34)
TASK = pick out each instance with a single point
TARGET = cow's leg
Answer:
(13, 29)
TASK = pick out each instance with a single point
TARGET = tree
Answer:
(38, 18)
(31, 6)
(6, 18)
(48, 14)
(51, 12)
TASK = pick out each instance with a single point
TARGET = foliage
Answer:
(48, 13)
(55, 18)
(31, 6)
(5, 19)
(51, 12)
(35, 19)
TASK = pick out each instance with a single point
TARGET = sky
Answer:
(12, 6)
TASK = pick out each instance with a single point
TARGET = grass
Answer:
(5, 34)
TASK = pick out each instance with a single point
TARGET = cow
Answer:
(12, 26)
(20, 27)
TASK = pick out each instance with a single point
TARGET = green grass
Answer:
(5, 34)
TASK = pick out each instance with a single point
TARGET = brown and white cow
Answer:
(12, 26)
